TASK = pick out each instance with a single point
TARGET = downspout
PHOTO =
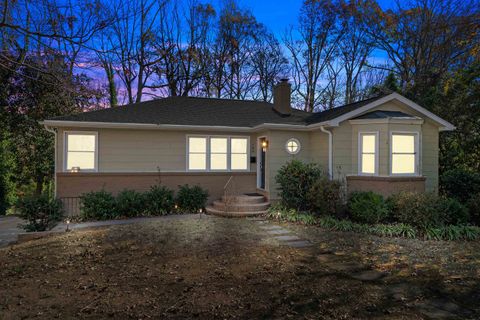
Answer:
(54, 131)
(330, 151)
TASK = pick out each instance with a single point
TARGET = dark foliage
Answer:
(324, 197)
(159, 200)
(98, 205)
(296, 179)
(191, 199)
(41, 212)
(460, 184)
(367, 207)
(130, 203)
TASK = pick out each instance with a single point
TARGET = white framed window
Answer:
(80, 151)
(239, 154)
(368, 153)
(197, 153)
(217, 153)
(293, 146)
(404, 153)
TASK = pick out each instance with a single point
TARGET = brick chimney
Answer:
(281, 97)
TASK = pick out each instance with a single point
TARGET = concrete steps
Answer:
(239, 206)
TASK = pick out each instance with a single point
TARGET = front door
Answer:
(262, 162)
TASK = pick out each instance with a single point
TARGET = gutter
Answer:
(151, 126)
(330, 151)
(54, 131)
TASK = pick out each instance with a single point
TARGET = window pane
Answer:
(197, 161)
(292, 146)
(218, 161)
(81, 142)
(403, 143)
(403, 163)
(218, 145)
(197, 144)
(239, 145)
(368, 163)
(239, 162)
(83, 160)
(368, 143)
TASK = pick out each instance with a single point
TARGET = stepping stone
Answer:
(369, 275)
(345, 266)
(298, 244)
(271, 227)
(261, 221)
(327, 258)
(287, 238)
(278, 231)
(444, 304)
(435, 313)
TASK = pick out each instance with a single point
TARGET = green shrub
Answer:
(41, 212)
(474, 209)
(295, 179)
(191, 199)
(130, 203)
(367, 207)
(460, 184)
(281, 213)
(324, 196)
(394, 230)
(159, 200)
(452, 232)
(420, 210)
(453, 211)
(97, 205)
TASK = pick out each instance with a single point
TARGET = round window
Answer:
(293, 146)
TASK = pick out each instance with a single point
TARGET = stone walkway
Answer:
(340, 262)
(280, 234)
(9, 230)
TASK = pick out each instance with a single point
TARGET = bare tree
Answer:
(424, 38)
(269, 65)
(355, 47)
(312, 46)
(134, 33)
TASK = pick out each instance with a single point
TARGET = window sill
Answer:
(386, 178)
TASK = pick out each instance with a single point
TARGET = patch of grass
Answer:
(403, 230)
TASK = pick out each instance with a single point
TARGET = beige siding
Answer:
(345, 151)
(342, 151)
(319, 148)
(277, 155)
(430, 150)
(142, 150)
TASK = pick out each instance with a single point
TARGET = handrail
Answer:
(228, 182)
(227, 198)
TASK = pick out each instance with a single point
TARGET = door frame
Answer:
(259, 157)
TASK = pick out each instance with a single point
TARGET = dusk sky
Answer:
(277, 15)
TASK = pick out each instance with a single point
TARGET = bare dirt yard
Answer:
(214, 268)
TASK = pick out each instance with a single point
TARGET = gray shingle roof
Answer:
(206, 112)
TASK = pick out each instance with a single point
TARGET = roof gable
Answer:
(444, 125)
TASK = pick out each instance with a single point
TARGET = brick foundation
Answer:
(385, 186)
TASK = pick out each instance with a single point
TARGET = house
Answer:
(384, 144)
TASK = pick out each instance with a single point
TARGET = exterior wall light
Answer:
(264, 145)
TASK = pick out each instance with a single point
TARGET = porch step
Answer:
(232, 214)
(239, 206)
(244, 199)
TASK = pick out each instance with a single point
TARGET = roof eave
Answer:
(148, 126)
